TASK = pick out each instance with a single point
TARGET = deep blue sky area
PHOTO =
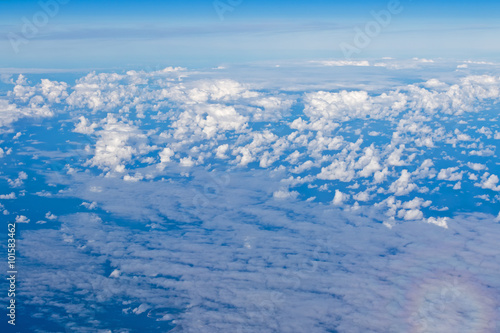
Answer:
(105, 34)
(134, 11)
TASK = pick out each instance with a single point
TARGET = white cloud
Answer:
(482, 152)
(208, 121)
(53, 91)
(84, 127)
(90, 205)
(361, 196)
(435, 83)
(118, 142)
(395, 157)
(336, 63)
(340, 198)
(22, 219)
(476, 166)
(166, 155)
(369, 162)
(413, 214)
(380, 176)
(220, 152)
(186, 162)
(489, 182)
(403, 185)
(338, 170)
(10, 113)
(274, 108)
(285, 194)
(50, 216)
(439, 221)
(141, 309)
(416, 203)
(12, 195)
(19, 181)
(450, 174)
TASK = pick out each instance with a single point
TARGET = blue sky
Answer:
(97, 34)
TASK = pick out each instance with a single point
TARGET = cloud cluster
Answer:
(220, 205)
(169, 119)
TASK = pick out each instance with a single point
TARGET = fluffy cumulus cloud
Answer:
(456, 99)
(10, 112)
(84, 127)
(490, 182)
(449, 174)
(11, 195)
(22, 219)
(403, 185)
(339, 197)
(208, 121)
(118, 142)
(346, 105)
(216, 203)
(172, 118)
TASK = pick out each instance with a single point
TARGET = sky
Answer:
(132, 34)
(250, 166)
